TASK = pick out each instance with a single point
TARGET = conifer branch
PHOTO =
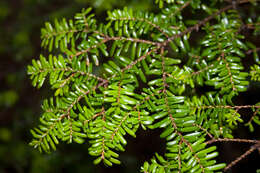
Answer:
(141, 70)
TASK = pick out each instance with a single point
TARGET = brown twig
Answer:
(228, 107)
(243, 156)
(197, 26)
(205, 130)
(181, 8)
(253, 50)
(232, 140)
(251, 119)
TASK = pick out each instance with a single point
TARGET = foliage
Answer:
(141, 70)
(20, 29)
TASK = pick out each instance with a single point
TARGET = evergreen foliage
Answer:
(143, 70)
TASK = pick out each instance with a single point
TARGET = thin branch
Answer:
(181, 8)
(95, 116)
(70, 127)
(69, 69)
(148, 97)
(195, 73)
(139, 59)
(232, 140)
(88, 49)
(205, 130)
(251, 119)
(80, 97)
(197, 26)
(53, 34)
(103, 138)
(251, 25)
(227, 107)
(179, 157)
(255, 146)
(119, 125)
(253, 50)
(229, 71)
(107, 38)
(239, 158)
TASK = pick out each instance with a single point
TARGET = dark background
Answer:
(20, 23)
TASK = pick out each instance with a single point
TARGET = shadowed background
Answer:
(20, 23)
